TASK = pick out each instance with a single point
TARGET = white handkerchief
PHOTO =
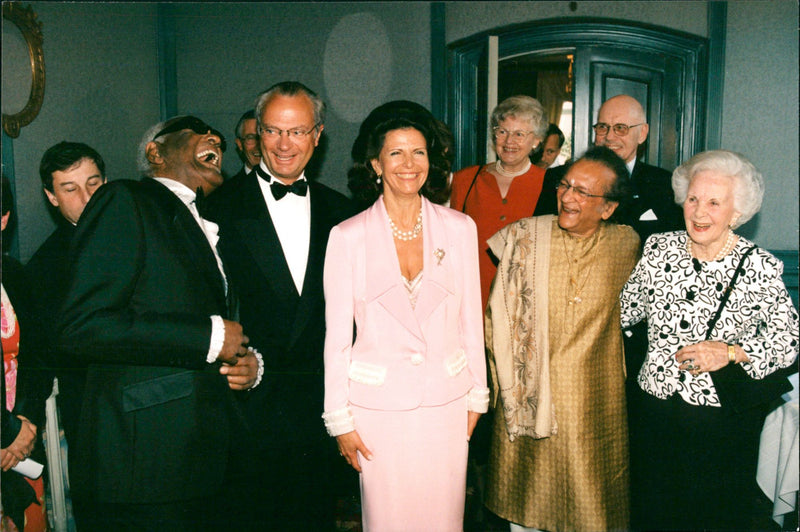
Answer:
(648, 216)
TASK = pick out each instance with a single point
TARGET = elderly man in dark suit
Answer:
(622, 126)
(274, 226)
(247, 146)
(149, 310)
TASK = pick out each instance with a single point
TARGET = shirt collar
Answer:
(631, 164)
(184, 193)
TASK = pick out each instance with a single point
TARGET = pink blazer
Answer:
(402, 357)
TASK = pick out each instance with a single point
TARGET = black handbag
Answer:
(735, 388)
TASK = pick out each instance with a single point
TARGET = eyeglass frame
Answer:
(609, 127)
(582, 194)
(250, 137)
(516, 133)
(295, 133)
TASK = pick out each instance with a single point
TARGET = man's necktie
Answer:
(279, 190)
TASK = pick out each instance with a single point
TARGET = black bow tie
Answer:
(279, 190)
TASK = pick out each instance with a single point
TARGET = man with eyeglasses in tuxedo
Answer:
(247, 145)
(274, 226)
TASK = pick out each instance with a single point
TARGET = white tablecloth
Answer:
(778, 468)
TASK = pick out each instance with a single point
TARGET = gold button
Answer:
(505, 200)
(503, 218)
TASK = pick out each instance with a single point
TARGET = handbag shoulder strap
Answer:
(727, 293)
(464, 207)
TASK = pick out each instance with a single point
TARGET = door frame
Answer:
(467, 57)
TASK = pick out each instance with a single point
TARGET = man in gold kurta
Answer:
(559, 455)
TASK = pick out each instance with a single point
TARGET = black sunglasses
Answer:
(196, 125)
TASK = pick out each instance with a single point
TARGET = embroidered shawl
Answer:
(517, 328)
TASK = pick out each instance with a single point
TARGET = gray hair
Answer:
(524, 108)
(141, 156)
(748, 183)
(290, 88)
(248, 115)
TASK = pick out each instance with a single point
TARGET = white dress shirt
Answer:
(291, 216)
(210, 230)
(630, 164)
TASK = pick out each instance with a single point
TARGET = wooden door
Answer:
(654, 79)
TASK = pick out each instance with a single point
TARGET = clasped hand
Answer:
(21, 447)
(239, 365)
(703, 356)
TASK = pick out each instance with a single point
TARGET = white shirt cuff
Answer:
(478, 400)
(217, 339)
(339, 421)
(260, 373)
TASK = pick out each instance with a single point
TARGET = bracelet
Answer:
(731, 354)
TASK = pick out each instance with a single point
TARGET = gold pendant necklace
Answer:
(578, 288)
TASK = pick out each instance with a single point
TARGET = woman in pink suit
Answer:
(403, 395)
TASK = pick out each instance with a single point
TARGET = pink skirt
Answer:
(416, 480)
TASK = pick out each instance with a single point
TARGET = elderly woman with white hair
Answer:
(721, 325)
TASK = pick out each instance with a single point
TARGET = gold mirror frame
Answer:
(25, 19)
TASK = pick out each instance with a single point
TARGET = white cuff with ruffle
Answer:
(260, 371)
(339, 421)
(478, 400)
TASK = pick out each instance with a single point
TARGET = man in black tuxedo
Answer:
(274, 227)
(247, 145)
(148, 308)
(71, 172)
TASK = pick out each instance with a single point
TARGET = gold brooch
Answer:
(439, 253)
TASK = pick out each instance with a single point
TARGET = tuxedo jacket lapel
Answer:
(258, 234)
(188, 235)
(321, 224)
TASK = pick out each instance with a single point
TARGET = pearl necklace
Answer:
(730, 242)
(498, 166)
(405, 236)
